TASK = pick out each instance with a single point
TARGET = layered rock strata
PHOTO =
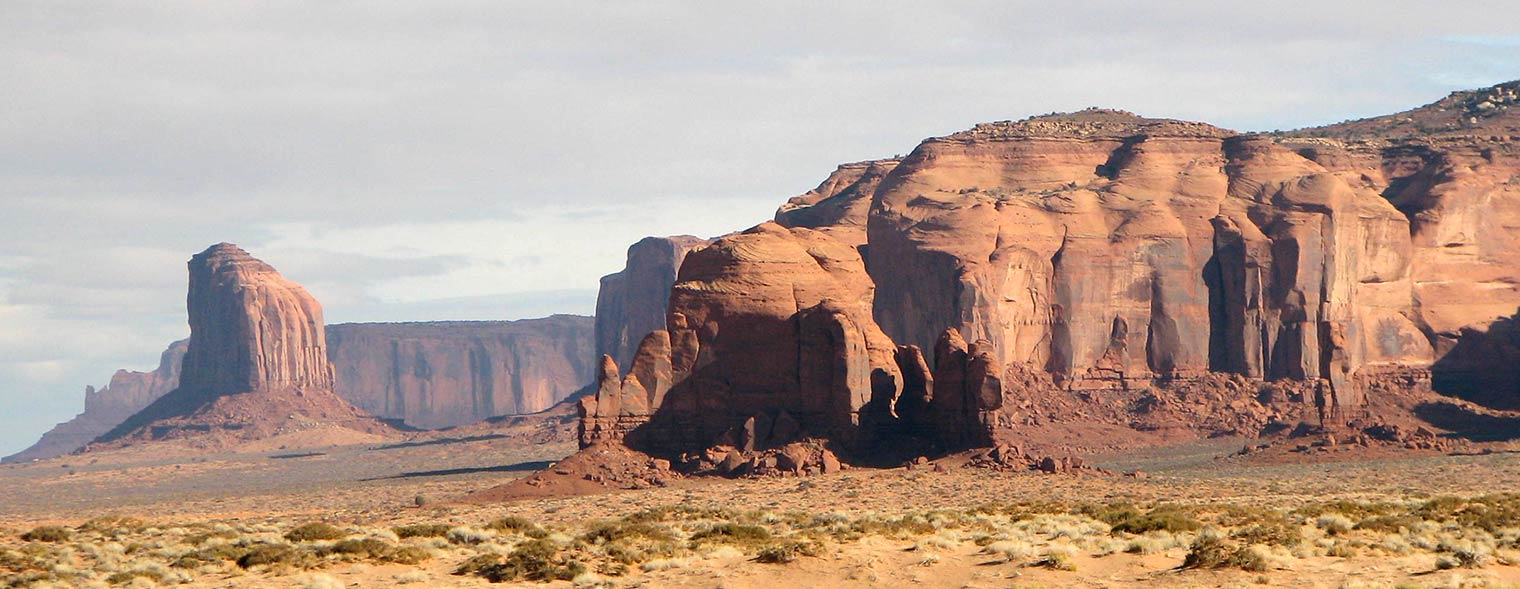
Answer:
(451, 373)
(1111, 250)
(256, 362)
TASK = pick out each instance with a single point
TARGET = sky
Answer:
(490, 160)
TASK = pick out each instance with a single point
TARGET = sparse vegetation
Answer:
(314, 531)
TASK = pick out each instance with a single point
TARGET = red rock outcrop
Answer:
(1111, 249)
(764, 323)
(1118, 274)
(841, 204)
(1453, 169)
(450, 373)
(632, 302)
(128, 392)
(256, 362)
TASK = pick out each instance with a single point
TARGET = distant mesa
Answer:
(128, 392)
(256, 363)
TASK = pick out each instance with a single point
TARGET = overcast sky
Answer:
(490, 160)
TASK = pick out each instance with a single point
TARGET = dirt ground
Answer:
(964, 527)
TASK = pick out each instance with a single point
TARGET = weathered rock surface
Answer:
(1117, 274)
(1452, 168)
(841, 204)
(256, 362)
(450, 373)
(632, 302)
(128, 392)
(1111, 249)
(762, 323)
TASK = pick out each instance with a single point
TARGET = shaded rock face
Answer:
(256, 362)
(444, 374)
(1453, 169)
(1110, 250)
(770, 326)
(632, 302)
(840, 205)
(128, 392)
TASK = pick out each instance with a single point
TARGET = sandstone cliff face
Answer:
(444, 374)
(256, 362)
(632, 302)
(1111, 249)
(1453, 169)
(128, 392)
(840, 205)
(250, 328)
(768, 326)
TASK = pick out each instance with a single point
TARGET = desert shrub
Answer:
(112, 525)
(512, 523)
(680, 512)
(47, 534)
(475, 564)
(273, 554)
(1350, 509)
(359, 547)
(534, 560)
(1390, 524)
(1334, 524)
(422, 531)
(1273, 534)
(606, 532)
(1010, 550)
(1110, 514)
(467, 535)
(1059, 559)
(377, 550)
(124, 577)
(215, 553)
(1210, 551)
(1165, 519)
(732, 533)
(315, 531)
(787, 552)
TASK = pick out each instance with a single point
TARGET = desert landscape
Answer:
(1084, 348)
(1196, 358)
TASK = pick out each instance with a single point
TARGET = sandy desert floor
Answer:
(349, 517)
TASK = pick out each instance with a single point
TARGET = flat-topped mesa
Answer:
(764, 323)
(129, 391)
(451, 373)
(632, 301)
(250, 328)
